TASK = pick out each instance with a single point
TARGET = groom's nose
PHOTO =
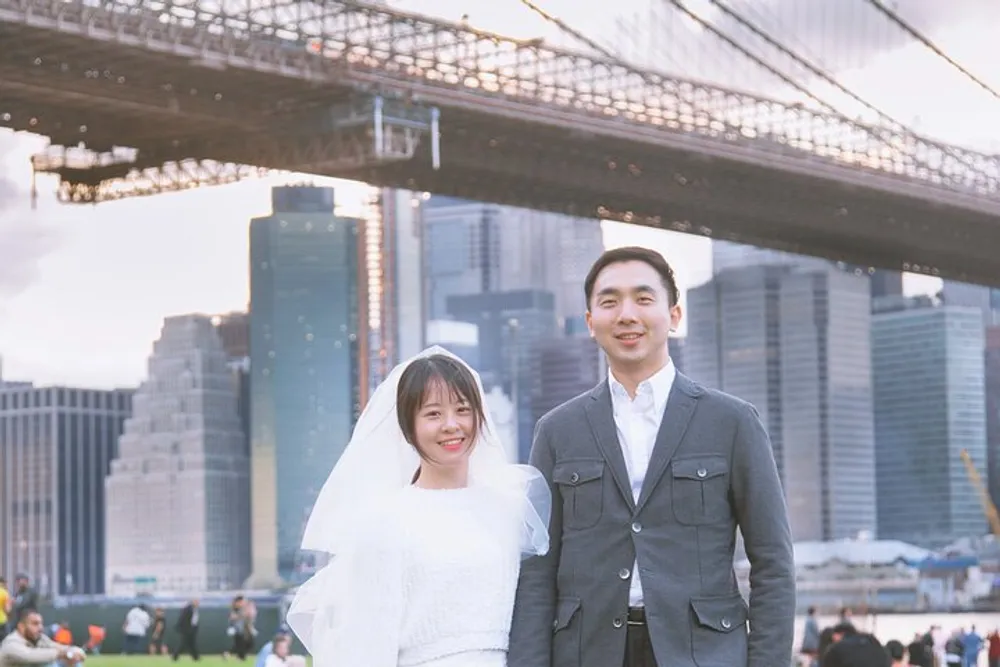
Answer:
(628, 311)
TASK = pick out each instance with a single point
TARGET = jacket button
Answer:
(618, 623)
(624, 573)
(574, 478)
(636, 527)
(555, 624)
(726, 624)
(702, 472)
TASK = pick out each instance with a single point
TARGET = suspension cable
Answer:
(920, 37)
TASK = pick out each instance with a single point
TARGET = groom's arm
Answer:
(760, 508)
(535, 607)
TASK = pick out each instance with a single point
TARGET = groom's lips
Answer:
(629, 337)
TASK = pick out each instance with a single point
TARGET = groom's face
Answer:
(631, 316)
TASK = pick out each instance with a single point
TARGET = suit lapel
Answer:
(680, 406)
(602, 423)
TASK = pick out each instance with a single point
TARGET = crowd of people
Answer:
(843, 644)
(25, 640)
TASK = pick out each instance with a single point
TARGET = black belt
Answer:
(636, 616)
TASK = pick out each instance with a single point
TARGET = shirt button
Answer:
(624, 573)
(702, 472)
(617, 623)
(636, 527)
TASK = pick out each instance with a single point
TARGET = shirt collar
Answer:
(660, 384)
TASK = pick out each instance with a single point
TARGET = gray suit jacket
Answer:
(712, 469)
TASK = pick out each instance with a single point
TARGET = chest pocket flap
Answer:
(700, 468)
(573, 473)
(701, 489)
(581, 485)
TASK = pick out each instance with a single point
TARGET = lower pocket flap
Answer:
(566, 609)
(723, 614)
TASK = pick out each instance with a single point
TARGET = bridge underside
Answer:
(75, 89)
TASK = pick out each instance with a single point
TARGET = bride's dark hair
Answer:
(423, 374)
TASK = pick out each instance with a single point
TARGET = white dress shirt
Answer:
(638, 421)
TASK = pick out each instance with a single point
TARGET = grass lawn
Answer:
(162, 661)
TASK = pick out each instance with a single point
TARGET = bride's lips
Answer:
(452, 445)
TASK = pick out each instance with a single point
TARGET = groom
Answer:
(651, 474)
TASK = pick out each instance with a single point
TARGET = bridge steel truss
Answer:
(146, 96)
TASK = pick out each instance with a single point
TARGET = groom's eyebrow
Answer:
(614, 291)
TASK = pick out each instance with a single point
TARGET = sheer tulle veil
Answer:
(376, 464)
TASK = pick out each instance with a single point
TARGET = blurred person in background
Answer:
(158, 638)
(810, 637)
(993, 648)
(5, 607)
(897, 653)
(25, 597)
(280, 657)
(187, 628)
(28, 645)
(856, 650)
(241, 630)
(136, 624)
(63, 635)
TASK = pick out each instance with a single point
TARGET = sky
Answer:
(84, 289)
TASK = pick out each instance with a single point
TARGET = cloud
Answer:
(24, 238)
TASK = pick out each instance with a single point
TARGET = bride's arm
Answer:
(367, 634)
(350, 614)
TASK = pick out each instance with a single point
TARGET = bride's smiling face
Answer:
(444, 426)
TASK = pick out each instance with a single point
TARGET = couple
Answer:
(614, 547)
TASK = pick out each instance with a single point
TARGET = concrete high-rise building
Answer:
(234, 332)
(404, 318)
(510, 325)
(826, 402)
(56, 448)
(727, 255)
(985, 299)
(566, 368)
(930, 405)
(459, 338)
(793, 340)
(474, 247)
(179, 492)
(309, 360)
(734, 340)
(992, 389)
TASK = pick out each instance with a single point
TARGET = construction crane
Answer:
(989, 509)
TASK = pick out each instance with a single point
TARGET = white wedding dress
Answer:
(431, 582)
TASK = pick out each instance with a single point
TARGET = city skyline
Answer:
(84, 289)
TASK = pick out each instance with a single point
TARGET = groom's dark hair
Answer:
(633, 254)
(419, 377)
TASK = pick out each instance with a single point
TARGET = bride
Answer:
(427, 524)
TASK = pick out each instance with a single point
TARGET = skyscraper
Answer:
(930, 405)
(511, 325)
(56, 447)
(403, 320)
(474, 247)
(309, 365)
(828, 437)
(793, 340)
(178, 493)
